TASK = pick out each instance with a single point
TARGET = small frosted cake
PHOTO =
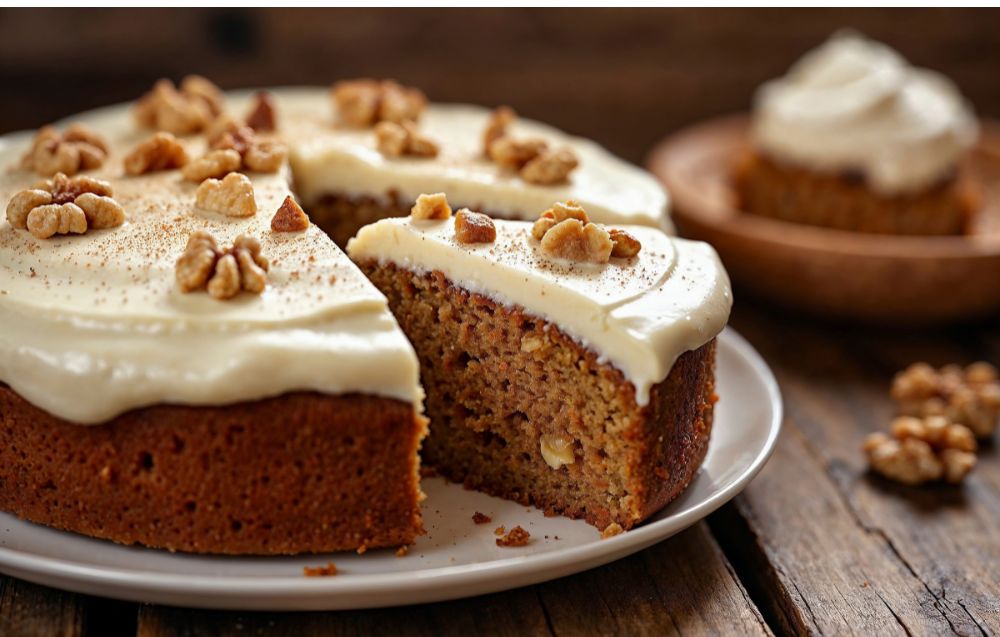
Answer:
(186, 362)
(567, 365)
(382, 145)
(854, 138)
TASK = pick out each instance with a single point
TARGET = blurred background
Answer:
(622, 77)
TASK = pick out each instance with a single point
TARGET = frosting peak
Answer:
(855, 104)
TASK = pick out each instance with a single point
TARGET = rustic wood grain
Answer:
(681, 586)
(29, 610)
(830, 548)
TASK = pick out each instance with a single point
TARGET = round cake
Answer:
(188, 361)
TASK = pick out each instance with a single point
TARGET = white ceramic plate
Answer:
(457, 558)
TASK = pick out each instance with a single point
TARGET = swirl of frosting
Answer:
(856, 105)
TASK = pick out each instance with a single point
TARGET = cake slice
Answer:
(557, 374)
(149, 395)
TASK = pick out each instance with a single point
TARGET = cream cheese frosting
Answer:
(638, 314)
(94, 325)
(855, 104)
(345, 160)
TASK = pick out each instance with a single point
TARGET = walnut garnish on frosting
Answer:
(262, 117)
(222, 273)
(254, 153)
(187, 110)
(565, 232)
(232, 196)
(212, 165)
(366, 102)
(161, 151)
(531, 157)
(65, 205)
(474, 227)
(396, 140)
(430, 207)
(625, 245)
(290, 217)
(76, 149)
(496, 126)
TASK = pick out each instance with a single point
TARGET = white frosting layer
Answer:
(638, 314)
(346, 161)
(855, 104)
(93, 325)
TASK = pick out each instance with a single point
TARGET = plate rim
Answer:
(423, 585)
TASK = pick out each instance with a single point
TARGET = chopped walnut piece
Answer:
(161, 151)
(220, 126)
(261, 117)
(212, 165)
(52, 219)
(78, 148)
(474, 227)
(195, 266)
(612, 530)
(328, 570)
(434, 206)
(496, 126)
(231, 196)
(183, 111)
(969, 396)
(223, 273)
(396, 140)
(550, 167)
(259, 154)
(481, 518)
(517, 536)
(625, 245)
(922, 450)
(515, 153)
(265, 155)
(572, 240)
(557, 449)
(290, 217)
(366, 102)
(64, 205)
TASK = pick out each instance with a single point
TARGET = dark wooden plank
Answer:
(683, 585)
(833, 549)
(27, 610)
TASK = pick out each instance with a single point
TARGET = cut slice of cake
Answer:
(176, 373)
(558, 373)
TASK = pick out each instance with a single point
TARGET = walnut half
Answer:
(969, 396)
(222, 273)
(65, 205)
(77, 149)
(396, 140)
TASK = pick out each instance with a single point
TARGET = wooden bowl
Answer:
(882, 279)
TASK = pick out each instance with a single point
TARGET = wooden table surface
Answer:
(814, 545)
